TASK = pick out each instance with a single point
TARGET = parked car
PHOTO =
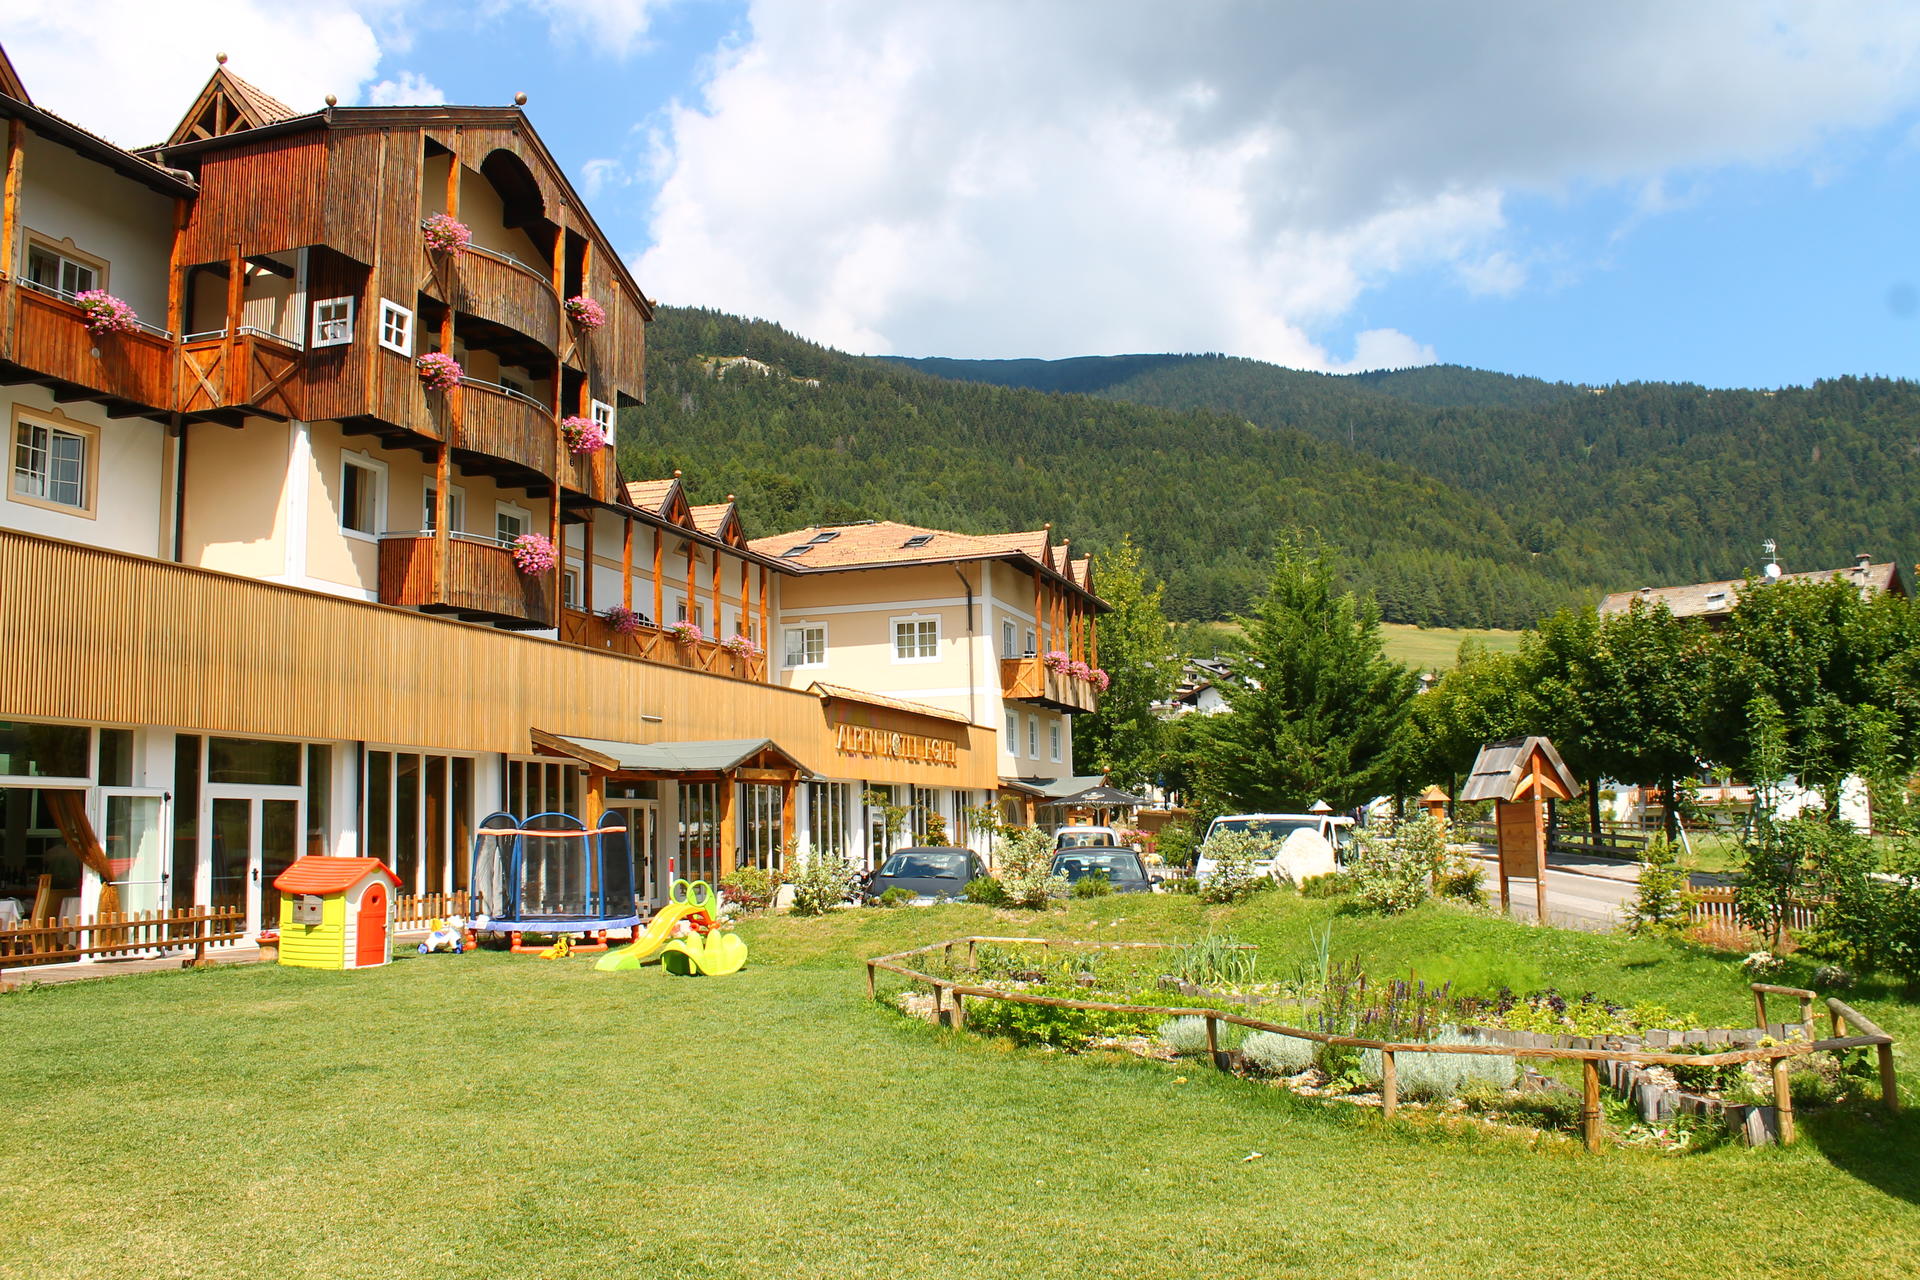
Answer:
(1087, 838)
(1122, 867)
(1308, 844)
(931, 873)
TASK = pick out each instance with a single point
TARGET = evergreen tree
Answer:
(1123, 739)
(1314, 703)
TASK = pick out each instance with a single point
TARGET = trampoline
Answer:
(552, 874)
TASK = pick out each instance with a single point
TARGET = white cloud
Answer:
(616, 27)
(1011, 179)
(598, 174)
(411, 90)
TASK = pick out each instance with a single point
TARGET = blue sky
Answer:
(1720, 192)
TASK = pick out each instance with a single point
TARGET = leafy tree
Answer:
(1314, 706)
(1660, 899)
(1123, 738)
(1483, 698)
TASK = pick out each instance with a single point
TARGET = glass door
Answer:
(134, 833)
(648, 869)
(251, 839)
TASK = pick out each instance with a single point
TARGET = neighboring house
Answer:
(1199, 689)
(263, 596)
(1714, 601)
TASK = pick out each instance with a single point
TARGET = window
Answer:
(396, 328)
(456, 507)
(509, 522)
(1033, 736)
(359, 496)
(828, 536)
(1053, 741)
(52, 465)
(603, 417)
(917, 540)
(1007, 640)
(1013, 733)
(698, 616)
(55, 272)
(806, 647)
(1029, 651)
(332, 322)
(570, 588)
(916, 639)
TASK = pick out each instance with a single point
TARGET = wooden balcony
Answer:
(504, 424)
(52, 344)
(257, 372)
(493, 286)
(591, 631)
(482, 583)
(1030, 680)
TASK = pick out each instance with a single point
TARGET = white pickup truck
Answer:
(1307, 844)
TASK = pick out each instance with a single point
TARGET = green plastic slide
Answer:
(715, 954)
(684, 899)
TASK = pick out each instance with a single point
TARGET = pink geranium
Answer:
(585, 312)
(1054, 660)
(742, 646)
(106, 313)
(445, 233)
(439, 371)
(583, 435)
(686, 632)
(1100, 678)
(624, 620)
(533, 554)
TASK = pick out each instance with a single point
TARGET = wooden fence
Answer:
(120, 933)
(949, 1006)
(419, 910)
(1718, 903)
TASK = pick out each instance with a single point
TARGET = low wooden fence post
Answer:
(1590, 1103)
(939, 1006)
(1782, 1100)
(1389, 1084)
(1213, 1041)
(1889, 1089)
(970, 953)
(959, 1019)
(869, 982)
(1759, 1008)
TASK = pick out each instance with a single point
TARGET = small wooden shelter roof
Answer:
(1509, 770)
(667, 757)
(10, 80)
(842, 693)
(226, 105)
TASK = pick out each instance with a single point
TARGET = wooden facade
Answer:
(481, 582)
(50, 340)
(1031, 680)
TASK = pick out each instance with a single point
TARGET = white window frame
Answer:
(1033, 736)
(570, 586)
(52, 424)
(344, 337)
(1009, 638)
(63, 253)
(1053, 741)
(786, 645)
(914, 620)
(524, 516)
(603, 415)
(456, 506)
(1032, 644)
(1013, 734)
(368, 463)
(390, 313)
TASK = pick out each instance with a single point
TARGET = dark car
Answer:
(1121, 867)
(929, 873)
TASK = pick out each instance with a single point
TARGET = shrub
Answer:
(751, 889)
(1276, 1054)
(1233, 877)
(1177, 843)
(1024, 856)
(986, 891)
(1330, 885)
(1093, 885)
(1216, 960)
(1660, 902)
(1393, 864)
(823, 880)
(1047, 1024)
(1436, 1077)
(1189, 1035)
(897, 897)
(1464, 880)
(1180, 884)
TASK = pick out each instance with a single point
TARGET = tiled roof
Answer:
(314, 873)
(1715, 599)
(267, 108)
(711, 517)
(885, 542)
(649, 495)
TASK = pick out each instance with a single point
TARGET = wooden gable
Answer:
(227, 105)
(10, 81)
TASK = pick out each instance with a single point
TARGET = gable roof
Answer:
(313, 873)
(10, 80)
(1502, 768)
(226, 105)
(1717, 599)
(877, 544)
(663, 757)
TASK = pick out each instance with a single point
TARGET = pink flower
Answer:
(623, 620)
(106, 313)
(1054, 660)
(585, 312)
(440, 371)
(533, 554)
(446, 234)
(583, 435)
(743, 646)
(1100, 678)
(686, 632)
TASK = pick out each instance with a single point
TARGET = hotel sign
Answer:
(862, 740)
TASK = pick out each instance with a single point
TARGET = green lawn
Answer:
(507, 1116)
(1435, 648)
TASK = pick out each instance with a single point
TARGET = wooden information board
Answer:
(1522, 826)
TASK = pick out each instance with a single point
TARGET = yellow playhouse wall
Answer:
(315, 946)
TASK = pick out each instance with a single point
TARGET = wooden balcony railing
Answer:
(481, 581)
(498, 287)
(505, 424)
(257, 371)
(1031, 680)
(591, 631)
(50, 337)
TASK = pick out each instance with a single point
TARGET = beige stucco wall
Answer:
(67, 198)
(129, 480)
(235, 510)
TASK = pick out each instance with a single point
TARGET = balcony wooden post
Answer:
(746, 600)
(659, 569)
(693, 582)
(766, 637)
(713, 594)
(236, 296)
(559, 379)
(626, 567)
(1093, 638)
(586, 564)
(1039, 615)
(10, 216)
(789, 813)
(729, 825)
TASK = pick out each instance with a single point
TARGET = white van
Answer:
(1309, 844)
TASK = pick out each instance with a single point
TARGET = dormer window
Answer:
(918, 540)
(332, 322)
(819, 538)
(793, 552)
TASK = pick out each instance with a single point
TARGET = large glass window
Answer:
(916, 639)
(31, 847)
(51, 465)
(828, 804)
(359, 497)
(700, 831)
(43, 750)
(319, 796)
(186, 817)
(761, 809)
(419, 811)
(806, 647)
(254, 761)
(115, 757)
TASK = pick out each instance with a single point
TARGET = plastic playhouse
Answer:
(687, 936)
(336, 913)
(552, 874)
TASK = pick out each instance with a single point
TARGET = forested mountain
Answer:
(1204, 493)
(1457, 496)
(1651, 483)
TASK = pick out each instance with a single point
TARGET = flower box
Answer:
(533, 554)
(446, 234)
(583, 435)
(439, 371)
(585, 312)
(105, 313)
(623, 620)
(686, 633)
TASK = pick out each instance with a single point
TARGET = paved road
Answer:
(1583, 892)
